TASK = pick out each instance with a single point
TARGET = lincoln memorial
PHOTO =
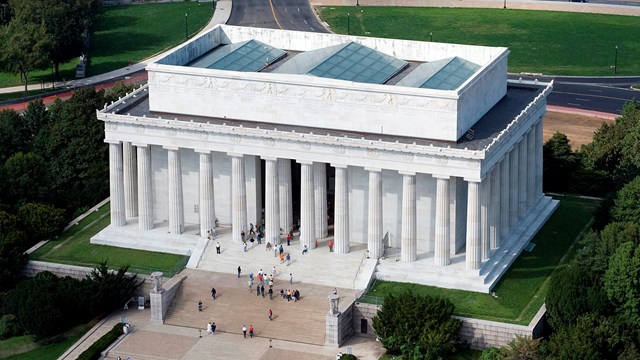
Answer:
(422, 157)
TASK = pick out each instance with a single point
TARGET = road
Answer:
(276, 14)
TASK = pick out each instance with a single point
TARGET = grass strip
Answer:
(73, 247)
(521, 291)
(549, 42)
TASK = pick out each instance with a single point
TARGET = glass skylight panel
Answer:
(251, 56)
(452, 75)
(355, 62)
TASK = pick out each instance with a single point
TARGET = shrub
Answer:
(419, 327)
(94, 351)
(8, 327)
(348, 357)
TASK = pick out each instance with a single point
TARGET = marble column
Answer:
(374, 241)
(272, 201)
(485, 243)
(145, 188)
(522, 178)
(206, 200)
(238, 197)
(320, 198)
(495, 225)
(116, 185)
(505, 186)
(441, 254)
(473, 256)
(539, 143)
(307, 206)
(408, 245)
(341, 220)
(130, 180)
(531, 167)
(176, 203)
(286, 197)
(513, 186)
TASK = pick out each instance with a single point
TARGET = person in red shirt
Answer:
(251, 331)
(330, 245)
(270, 315)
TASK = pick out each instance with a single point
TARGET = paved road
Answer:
(275, 14)
(605, 94)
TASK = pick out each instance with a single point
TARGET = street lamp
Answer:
(504, 6)
(186, 26)
(615, 62)
(348, 24)
(357, 2)
(431, 36)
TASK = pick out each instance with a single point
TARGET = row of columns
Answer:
(494, 204)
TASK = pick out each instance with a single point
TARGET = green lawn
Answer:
(48, 352)
(540, 41)
(132, 32)
(521, 291)
(73, 248)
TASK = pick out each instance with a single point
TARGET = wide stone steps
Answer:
(236, 306)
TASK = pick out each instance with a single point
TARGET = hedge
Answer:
(94, 351)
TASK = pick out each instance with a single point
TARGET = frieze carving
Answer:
(305, 146)
(111, 126)
(171, 132)
(373, 153)
(236, 139)
(408, 156)
(269, 142)
(140, 129)
(339, 150)
(441, 160)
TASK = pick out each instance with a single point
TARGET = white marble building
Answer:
(430, 155)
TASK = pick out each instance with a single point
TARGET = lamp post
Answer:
(615, 62)
(186, 26)
(348, 24)
(430, 36)
(357, 2)
(504, 6)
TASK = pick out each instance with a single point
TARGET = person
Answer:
(259, 237)
(270, 315)
(281, 249)
(200, 305)
(304, 251)
(250, 285)
(288, 294)
(251, 331)
(260, 278)
(270, 283)
(251, 275)
(273, 272)
(270, 293)
(335, 291)
(244, 246)
(213, 293)
(281, 258)
(268, 246)
(208, 234)
(282, 293)
(218, 247)
(296, 294)
(257, 290)
(242, 235)
(275, 252)
(290, 279)
(316, 245)
(213, 328)
(214, 232)
(288, 239)
(244, 331)
(252, 241)
(209, 328)
(239, 271)
(288, 259)
(251, 231)
(331, 245)
(262, 290)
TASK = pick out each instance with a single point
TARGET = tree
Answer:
(5, 12)
(111, 289)
(560, 163)
(587, 339)
(41, 221)
(24, 48)
(420, 327)
(11, 250)
(521, 348)
(65, 21)
(34, 118)
(622, 283)
(10, 139)
(627, 202)
(25, 179)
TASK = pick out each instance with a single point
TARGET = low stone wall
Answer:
(339, 327)
(480, 334)
(77, 272)
(161, 301)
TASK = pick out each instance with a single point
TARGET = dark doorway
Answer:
(364, 325)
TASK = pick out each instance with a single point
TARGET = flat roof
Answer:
(485, 130)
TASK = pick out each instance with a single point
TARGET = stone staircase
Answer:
(302, 321)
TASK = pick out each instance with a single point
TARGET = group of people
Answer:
(290, 295)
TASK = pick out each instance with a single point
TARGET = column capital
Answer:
(115, 142)
(235, 154)
(304, 162)
(410, 173)
(175, 148)
(140, 145)
(438, 176)
(341, 166)
(476, 179)
(268, 158)
(370, 169)
(202, 151)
